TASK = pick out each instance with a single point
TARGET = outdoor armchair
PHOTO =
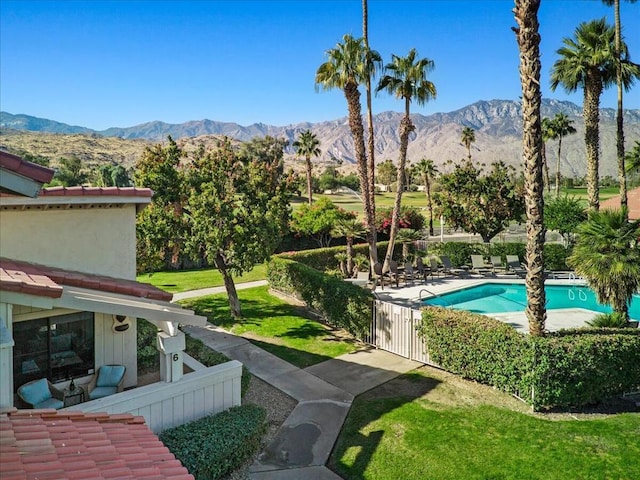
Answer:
(447, 267)
(478, 266)
(515, 266)
(108, 380)
(41, 394)
(497, 264)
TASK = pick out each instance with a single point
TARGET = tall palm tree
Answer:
(406, 78)
(547, 134)
(345, 70)
(588, 61)
(427, 171)
(562, 126)
(468, 137)
(528, 38)
(307, 147)
(622, 174)
(607, 256)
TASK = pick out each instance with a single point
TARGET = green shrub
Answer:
(555, 256)
(609, 320)
(148, 358)
(341, 304)
(214, 446)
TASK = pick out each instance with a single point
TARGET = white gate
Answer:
(394, 329)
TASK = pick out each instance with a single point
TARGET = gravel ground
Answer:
(278, 406)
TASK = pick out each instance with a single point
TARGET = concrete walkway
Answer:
(302, 445)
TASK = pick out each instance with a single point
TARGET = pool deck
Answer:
(411, 295)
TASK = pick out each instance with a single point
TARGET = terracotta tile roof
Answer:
(16, 276)
(50, 444)
(96, 192)
(27, 169)
(633, 203)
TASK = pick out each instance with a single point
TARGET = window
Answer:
(57, 348)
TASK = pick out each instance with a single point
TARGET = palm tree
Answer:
(622, 174)
(606, 254)
(526, 15)
(427, 171)
(307, 147)
(632, 159)
(562, 126)
(345, 69)
(547, 134)
(588, 61)
(468, 137)
(350, 229)
(406, 78)
(407, 236)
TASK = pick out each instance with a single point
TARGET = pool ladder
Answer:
(435, 295)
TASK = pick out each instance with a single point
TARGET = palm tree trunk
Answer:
(234, 301)
(622, 172)
(427, 185)
(309, 190)
(349, 256)
(406, 127)
(592, 91)
(558, 167)
(526, 15)
(546, 167)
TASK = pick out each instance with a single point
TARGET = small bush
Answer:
(148, 359)
(609, 320)
(214, 446)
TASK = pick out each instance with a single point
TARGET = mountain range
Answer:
(497, 125)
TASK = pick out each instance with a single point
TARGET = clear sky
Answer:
(101, 64)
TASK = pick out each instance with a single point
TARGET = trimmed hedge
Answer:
(341, 304)
(323, 259)
(216, 445)
(571, 368)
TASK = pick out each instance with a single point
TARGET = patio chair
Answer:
(108, 380)
(447, 267)
(436, 269)
(378, 276)
(393, 273)
(515, 266)
(408, 273)
(478, 266)
(497, 264)
(421, 269)
(41, 394)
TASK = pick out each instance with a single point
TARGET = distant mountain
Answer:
(497, 125)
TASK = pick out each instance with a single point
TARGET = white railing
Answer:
(165, 405)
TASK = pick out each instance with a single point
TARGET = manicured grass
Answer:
(283, 329)
(431, 425)
(184, 280)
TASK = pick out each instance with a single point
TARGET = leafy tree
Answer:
(38, 159)
(350, 64)
(562, 126)
(327, 181)
(307, 147)
(588, 61)
(239, 207)
(427, 171)
(480, 203)
(406, 78)
(71, 172)
(622, 174)
(410, 218)
(112, 175)
(468, 137)
(350, 228)
(528, 39)
(606, 254)
(387, 173)
(162, 227)
(564, 215)
(350, 181)
(319, 219)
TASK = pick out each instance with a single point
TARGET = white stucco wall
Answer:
(91, 240)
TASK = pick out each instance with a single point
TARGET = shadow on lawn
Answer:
(379, 402)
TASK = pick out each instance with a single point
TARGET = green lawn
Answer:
(278, 327)
(184, 280)
(431, 425)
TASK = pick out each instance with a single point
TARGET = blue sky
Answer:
(103, 64)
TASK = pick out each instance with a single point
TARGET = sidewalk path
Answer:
(325, 391)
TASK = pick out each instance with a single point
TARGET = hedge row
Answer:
(572, 368)
(341, 304)
(216, 445)
(324, 259)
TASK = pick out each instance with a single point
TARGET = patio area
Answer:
(412, 294)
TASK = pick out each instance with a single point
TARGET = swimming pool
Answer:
(490, 298)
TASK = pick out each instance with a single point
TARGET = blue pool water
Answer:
(508, 297)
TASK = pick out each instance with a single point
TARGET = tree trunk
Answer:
(558, 167)
(349, 256)
(546, 167)
(427, 187)
(622, 172)
(309, 192)
(406, 127)
(526, 15)
(234, 301)
(592, 91)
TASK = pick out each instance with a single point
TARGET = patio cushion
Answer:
(100, 392)
(50, 403)
(35, 392)
(110, 376)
